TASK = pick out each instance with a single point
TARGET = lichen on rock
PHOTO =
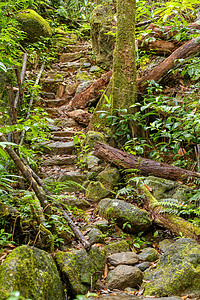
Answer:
(32, 272)
(177, 272)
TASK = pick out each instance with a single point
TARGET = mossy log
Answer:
(175, 224)
(160, 47)
(146, 167)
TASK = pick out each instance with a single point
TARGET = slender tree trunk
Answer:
(124, 86)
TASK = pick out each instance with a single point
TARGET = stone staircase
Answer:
(59, 86)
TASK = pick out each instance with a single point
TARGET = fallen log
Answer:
(160, 47)
(167, 32)
(91, 93)
(146, 167)
(173, 223)
(188, 49)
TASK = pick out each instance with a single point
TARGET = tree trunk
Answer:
(145, 166)
(124, 86)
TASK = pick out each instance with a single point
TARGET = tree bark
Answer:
(145, 166)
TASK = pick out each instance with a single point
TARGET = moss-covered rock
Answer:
(33, 273)
(92, 137)
(115, 247)
(127, 216)
(102, 28)
(149, 254)
(177, 272)
(109, 177)
(33, 24)
(96, 191)
(77, 268)
(163, 189)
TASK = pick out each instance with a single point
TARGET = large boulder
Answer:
(109, 177)
(127, 216)
(102, 33)
(78, 267)
(33, 25)
(177, 272)
(33, 273)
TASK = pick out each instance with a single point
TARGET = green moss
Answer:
(115, 247)
(177, 272)
(32, 272)
(96, 191)
(77, 268)
(33, 24)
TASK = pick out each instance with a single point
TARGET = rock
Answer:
(149, 254)
(76, 176)
(95, 69)
(123, 258)
(78, 267)
(143, 266)
(92, 137)
(65, 123)
(101, 22)
(124, 276)
(32, 272)
(82, 86)
(163, 189)
(102, 225)
(72, 201)
(49, 95)
(81, 116)
(86, 65)
(109, 177)
(163, 245)
(90, 160)
(177, 272)
(83, 76)
(96, 191)
(115, 247)
(96, 236)
(64, 133)
(70, 66)
(137, 220)
(56, 102)
(68, 57)
(59, 148)
(33, 25)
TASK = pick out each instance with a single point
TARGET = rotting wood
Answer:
(146, 167)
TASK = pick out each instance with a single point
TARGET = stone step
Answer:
(77, 48)
(49, 95)
(51, 80)
(64, 133)
(69, 57)
(61, 138)
(70, 65)
(58, 161)
(56, 102)
(60, 148)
